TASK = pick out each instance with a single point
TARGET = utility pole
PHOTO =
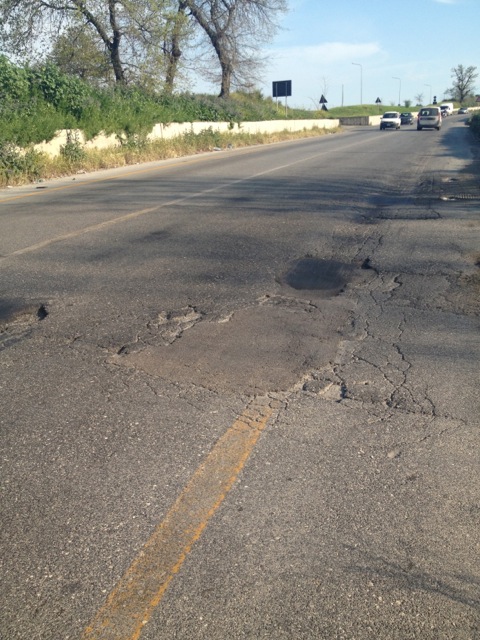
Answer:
(399, 88)
(357, 64)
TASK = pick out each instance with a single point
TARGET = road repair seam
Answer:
(134, 599)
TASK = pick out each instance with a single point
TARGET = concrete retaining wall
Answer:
(360, 121)
(174, 129)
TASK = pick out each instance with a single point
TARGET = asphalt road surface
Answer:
(239, 395)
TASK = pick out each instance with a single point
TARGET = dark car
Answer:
(407, 118)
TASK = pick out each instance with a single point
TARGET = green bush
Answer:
(67, 94)
(14, 163)
(73, 150)
(474, 123)
(14, 83)
(36, 102)
(29, 123)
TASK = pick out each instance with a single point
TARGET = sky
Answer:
(405, 48)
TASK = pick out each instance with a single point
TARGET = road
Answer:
(239, 395)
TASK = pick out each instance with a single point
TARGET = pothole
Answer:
(165, 328)
(313, 274)
(16, 319)
(13, 313)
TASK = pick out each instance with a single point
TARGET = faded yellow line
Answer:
(135, 214)
(125, 173)
(132, 602)
(79, 232)
(128, 216)
(108, 223)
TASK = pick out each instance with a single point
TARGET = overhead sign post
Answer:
(282, 89)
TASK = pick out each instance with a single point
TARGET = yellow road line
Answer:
(123, 218)
(162, 164)
(78, 232)
(132, 602)
(109, 223)
(135, 214)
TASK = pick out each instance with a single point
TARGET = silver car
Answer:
(429, 117)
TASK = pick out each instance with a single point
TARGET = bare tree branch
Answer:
(236, 30)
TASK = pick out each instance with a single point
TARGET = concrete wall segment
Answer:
(175, 129)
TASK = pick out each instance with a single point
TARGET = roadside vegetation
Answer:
(36, 102)
(18, 167)
(474, 122)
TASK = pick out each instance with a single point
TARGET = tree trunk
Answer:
(174, 52)
(116, 62)
(226, 67)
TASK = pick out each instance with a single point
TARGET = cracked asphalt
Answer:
(239, 395)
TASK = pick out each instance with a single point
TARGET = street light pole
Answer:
(430, 86)
(399, 88)
(357, 64)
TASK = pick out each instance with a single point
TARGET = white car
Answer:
(390, 120)
(448, 107)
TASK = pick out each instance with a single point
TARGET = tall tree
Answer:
(79, 53)
(463, 82)
(178, 35)
(236, 31)
(131, 31)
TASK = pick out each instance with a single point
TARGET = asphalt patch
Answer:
(261, 349)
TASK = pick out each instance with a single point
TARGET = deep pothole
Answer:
(314, 274)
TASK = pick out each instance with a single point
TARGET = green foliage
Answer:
(206, 139)
(79, 53)
(66, 93)
(14, 84)
(474, 123)
(14, 163)
(36, 102)
(31, 122)
(73, 150)
(356, 110)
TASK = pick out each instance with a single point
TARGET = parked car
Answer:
(390, 120)
(429, 117)
(407, 118)
(463, 111)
